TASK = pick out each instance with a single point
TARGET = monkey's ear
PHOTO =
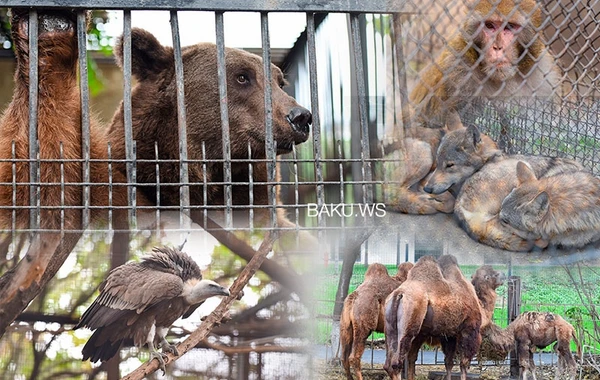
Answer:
(525, 173)
(541, 203)
(148, 57)
(473, 135)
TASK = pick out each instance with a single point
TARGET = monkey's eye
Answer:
(242, 79)
(490, 25)
(512, 26)
(281, 85)
(449, 164)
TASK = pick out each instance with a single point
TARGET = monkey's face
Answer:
(498, 41)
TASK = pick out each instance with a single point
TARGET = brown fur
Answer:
(482, 177)
(416, 156)
(155, 121)
(485, 281)
(457, 74)
(533, 329)
(435, 301)
(59, 133)
(560, 210)
(363, 313)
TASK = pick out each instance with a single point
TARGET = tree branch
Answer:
(281, 274)
(215, 317)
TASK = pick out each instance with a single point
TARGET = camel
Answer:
(435, 303)
(363, 313)
(533, 329)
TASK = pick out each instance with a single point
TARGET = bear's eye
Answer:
(281, 85)
(242, 79)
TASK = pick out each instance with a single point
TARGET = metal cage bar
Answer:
(34, 177)
(184, 190)
(223, 104)
(127, 118)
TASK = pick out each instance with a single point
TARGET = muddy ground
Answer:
(335, 371)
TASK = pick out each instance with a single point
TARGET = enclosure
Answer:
(220, 189)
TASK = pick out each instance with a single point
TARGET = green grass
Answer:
(545, 289)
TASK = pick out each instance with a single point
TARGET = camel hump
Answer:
(403, 270)
(376, 270)
(426, 269)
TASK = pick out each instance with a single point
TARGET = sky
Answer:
(242, 29)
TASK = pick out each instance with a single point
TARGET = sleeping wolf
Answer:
(416, 162)
(470, 165)
(562, 210)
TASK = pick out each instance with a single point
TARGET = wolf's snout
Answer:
(300, 118)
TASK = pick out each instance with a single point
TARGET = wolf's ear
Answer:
(473, 135)
(525, 173)
(148, 57)
(541, 203)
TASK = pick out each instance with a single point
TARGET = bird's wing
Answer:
(191, 309)
(130, 288)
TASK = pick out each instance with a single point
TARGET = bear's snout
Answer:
(300, 118)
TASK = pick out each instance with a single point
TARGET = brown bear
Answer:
(154, 117)
(59, 193)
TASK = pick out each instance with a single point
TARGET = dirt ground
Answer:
(335, 372)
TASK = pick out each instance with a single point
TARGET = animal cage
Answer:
(328, 194)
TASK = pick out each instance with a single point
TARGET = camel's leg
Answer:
(413, 354)
(346, 334)
(523, 352)
(411, 313)
(391, 332)
(358, 348)
(532, 364)
(449, 350)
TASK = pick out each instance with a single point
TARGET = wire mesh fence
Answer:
(209, 138)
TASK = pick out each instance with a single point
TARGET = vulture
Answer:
(139, 301)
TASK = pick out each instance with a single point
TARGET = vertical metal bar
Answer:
(270, 144)
(111, 187)
(316, 124)
(204, 184)
(127, 116)
(223, 103)
(250, 188)
(400, 61)
(85, 113)
(157, 172)
(342, 199)
(34, 164)
(62, 187)
(184, 189)
(296, 190)
(362, 108)
(14, 190)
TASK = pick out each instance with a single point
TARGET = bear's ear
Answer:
(148, 56)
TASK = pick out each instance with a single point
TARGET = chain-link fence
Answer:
(211, 149)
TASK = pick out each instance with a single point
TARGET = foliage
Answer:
(570, 292)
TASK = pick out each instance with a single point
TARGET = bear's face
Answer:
(155, 97)
(57, 47)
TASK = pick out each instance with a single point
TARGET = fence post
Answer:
(514, 309)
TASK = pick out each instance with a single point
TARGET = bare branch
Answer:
(217, 315)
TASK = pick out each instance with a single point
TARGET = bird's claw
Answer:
(161, 360)
(170, 348)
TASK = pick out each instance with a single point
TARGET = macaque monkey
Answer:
(499, 53)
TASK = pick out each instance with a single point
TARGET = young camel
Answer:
(533, 329)
(435, 303)
(363, 313)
